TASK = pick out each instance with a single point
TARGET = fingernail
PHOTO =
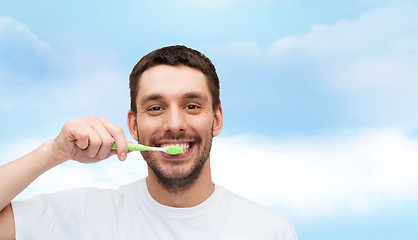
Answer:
(122, 156)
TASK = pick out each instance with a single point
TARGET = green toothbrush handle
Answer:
(135, 147)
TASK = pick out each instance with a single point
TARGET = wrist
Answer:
(49, 153)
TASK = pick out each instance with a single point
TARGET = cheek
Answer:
(147, 127)
(203, 126)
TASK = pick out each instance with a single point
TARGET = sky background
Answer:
(319, 99)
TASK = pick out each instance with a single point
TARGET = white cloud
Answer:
(110, 173)
(370, 61)
(13, 149)
(320, 175)
(301, 177)
(21, 51)
(95, 83)
(81, 82)
(368, 64)
(6, 105)
(18, 33)
(211, 4)
(225, 3)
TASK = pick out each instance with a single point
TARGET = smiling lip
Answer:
(185, 145)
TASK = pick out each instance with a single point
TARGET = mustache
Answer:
(174, 136)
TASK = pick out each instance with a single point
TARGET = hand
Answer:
(89, 140)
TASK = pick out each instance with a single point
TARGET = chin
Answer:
(177, 178)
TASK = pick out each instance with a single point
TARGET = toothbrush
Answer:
(172, 150)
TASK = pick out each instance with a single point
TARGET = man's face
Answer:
(175, 108)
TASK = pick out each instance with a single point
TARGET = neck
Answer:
(195, 194)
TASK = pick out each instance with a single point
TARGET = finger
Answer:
(94, 139)
(118, 136)
(72, 139)
(105, 137)
(78, 134)
(129, 151)
(81, 136)
(112, 152)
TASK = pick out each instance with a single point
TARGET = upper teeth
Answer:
(184, 146)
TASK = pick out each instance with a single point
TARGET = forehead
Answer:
(172, 81)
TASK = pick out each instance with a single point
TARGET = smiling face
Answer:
(175, 108)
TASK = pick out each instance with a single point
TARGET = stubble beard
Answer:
(179, 182)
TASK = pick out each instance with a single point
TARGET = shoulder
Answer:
(72, 199)
(258, 216)
(77, 197)
(248, 206)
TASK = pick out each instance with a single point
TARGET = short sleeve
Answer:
(45, 215)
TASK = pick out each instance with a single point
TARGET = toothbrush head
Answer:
(173, 150)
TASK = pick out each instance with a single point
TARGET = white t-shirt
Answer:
(131, 213)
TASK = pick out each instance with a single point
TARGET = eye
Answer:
(191, 107)
(155, 109)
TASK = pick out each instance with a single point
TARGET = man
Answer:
(174, 101)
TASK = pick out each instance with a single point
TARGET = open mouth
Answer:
(185, 146)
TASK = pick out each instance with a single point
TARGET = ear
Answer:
(217, 121)
(132, 124)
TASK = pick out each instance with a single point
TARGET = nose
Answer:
(174, 120)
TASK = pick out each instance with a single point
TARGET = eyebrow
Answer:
(189, 95)
(192, 95)
(151, 97)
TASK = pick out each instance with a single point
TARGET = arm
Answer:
(86, 140)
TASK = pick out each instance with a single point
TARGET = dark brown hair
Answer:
(174, 56)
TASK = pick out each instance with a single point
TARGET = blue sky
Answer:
(319, 98)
